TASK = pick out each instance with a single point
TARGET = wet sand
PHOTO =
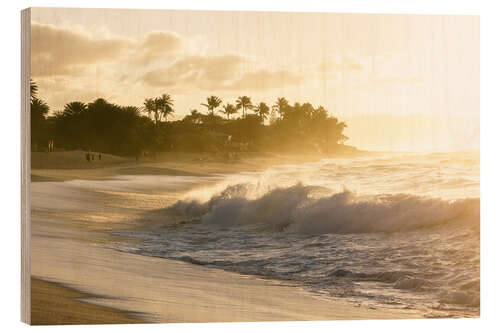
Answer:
(54, 304)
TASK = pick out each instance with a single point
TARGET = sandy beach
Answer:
(54, 304)
(57, 166)
(75, 211)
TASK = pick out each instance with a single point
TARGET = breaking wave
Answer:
(408, 236)
(316, 210)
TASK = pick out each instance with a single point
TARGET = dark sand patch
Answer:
(55, 304)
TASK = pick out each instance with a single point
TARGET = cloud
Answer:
(333, 64)
(61, 51)
(160, 59)
(195, 71)
(158, 44)
(58, 50)
(226, 72)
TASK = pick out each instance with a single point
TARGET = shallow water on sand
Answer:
(391, 231)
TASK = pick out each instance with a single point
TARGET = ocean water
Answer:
(385, 231)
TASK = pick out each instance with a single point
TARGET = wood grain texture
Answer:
(401, 83)
(25, 165)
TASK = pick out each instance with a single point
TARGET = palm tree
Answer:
(320, 113)
(39, 108)
(74, 108)
(280, 106)
(212, 103)
(33, 89)
(165, 105)
(262, 110)
(244, 103)
(131, 109)
(150, 107)
(341, 126)
(228, 110)
(195, 117)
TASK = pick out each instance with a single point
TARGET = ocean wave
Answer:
(307, 209)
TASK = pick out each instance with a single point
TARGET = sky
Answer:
(400, 82)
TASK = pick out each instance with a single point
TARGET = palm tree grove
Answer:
(225, 126)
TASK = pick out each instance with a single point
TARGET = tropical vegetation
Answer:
(129, 130)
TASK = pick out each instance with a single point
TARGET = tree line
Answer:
(129, 130)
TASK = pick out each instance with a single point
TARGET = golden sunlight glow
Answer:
(400, 82)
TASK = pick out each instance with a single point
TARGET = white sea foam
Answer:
(305, 209)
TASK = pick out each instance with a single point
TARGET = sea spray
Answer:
(388, 230)
(306, 209)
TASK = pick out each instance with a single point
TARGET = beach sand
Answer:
(71, 247)
(55, 304)
(69, 165)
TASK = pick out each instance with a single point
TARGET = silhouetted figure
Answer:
(87, 156)
(92, 157)
(99, 156)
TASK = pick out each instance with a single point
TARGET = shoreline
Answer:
(74, 247)
(167, 164)
(169, 291)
